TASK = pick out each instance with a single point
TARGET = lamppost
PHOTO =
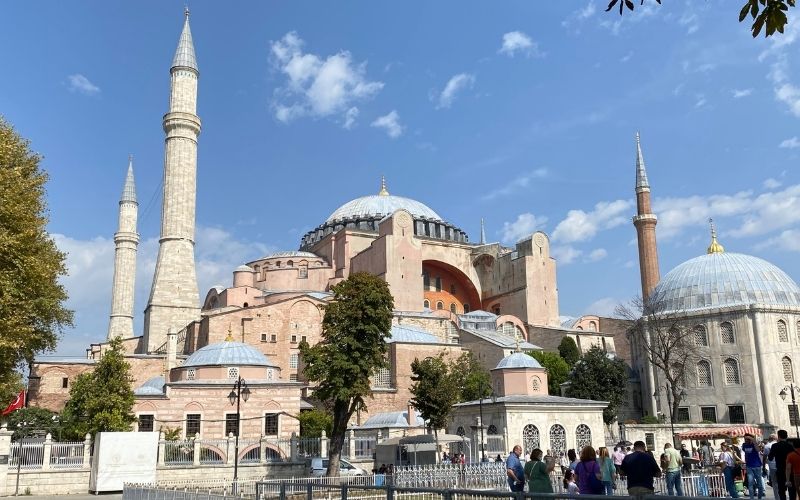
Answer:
(793, 413)
(480, 413)
(681, 396)
(239, 392)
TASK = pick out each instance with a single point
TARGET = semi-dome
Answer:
(518, 360)
(227, 354)
(721, 279)
(381, 204)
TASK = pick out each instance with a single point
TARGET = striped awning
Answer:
(720, 432)
(741, 430)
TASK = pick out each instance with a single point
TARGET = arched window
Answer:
(530, 439)
(426, 304)
(583, 437)
(440, 305)
(466, 308)
(731, 369)
(558, 439)
(278, 264)
(726, 333)
(783, 333)
(592, 326)
(788, 372)
(507, 328)
(704, 374)
(492, 430)
(453, 308)
(460, 431)
(700, 336)
(290, 263)
(536, 384)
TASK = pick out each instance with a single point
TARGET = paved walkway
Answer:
(102, 496)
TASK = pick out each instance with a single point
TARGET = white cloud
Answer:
(626, 57)
(317, 86)
(790, 143)
(79, 83)
(690, 21)
(525, 225)
(575, 20)
(788, 240)
(457, 83)
(518, 42)
(565, 254)
(517, 184)
(596, 255)
(583, 226)
(603, 307)
(390, 123)
(739, 93)
(700, 102)
(350, 117)
(772, 183)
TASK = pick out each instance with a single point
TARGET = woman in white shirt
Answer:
(726, 462)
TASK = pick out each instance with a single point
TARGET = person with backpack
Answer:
(590, 478)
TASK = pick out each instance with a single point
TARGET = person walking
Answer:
(608, 470)
(514, 471)
(771, 468)
(588, 472)
(727, 462)
(752, 460)
(687, 465)
(778, 452)
(640, 468)
(538, 472)
(618, 456)
(673, 463)
(573, 458)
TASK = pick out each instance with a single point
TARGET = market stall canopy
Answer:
(719, 433)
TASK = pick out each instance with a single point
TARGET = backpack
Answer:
(595, 485)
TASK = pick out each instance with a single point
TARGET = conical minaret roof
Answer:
(129, 190)
(641, 173)
(184, 56)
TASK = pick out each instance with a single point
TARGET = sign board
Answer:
(3, 459)
(123, 457)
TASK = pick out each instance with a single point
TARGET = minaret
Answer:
(483, 233)
(645, 223)
(126, 240)
(174, 300)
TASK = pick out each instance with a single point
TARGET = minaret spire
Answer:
(714, 247)
(174, 300)
(645, 222)
(126, 241)
(483, 233)
(383, 191)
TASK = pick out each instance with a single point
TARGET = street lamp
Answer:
(480, 413)
(681, 396)
(796, 416)
(239, 392)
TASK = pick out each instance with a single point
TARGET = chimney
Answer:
(412, 416)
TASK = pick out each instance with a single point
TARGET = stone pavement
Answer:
(87, 496)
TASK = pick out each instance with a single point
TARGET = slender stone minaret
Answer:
(174, 300)
(483, 233)
(645, 222)
(126, 240)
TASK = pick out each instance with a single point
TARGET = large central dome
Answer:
(381, 204)
(725, 279)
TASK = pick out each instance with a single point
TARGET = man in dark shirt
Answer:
(779, 452)
(640, 467)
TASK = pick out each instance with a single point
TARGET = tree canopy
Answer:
(32, 312)
(557, 370)
(101, 400)
(471, 378)
(38, 422)
(568, 350)
(764, 13)
(353, 347)
(435, 389)
(313, 422)
(600, 378)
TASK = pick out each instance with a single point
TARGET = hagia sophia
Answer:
(451, 295)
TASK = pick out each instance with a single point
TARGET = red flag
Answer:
(16, 404)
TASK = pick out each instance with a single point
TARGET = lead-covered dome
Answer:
(381, 204)
(725, 279)
(227, 354)
(518, 360)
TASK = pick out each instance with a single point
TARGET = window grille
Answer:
(788, 372)
(233, 373)
(704, 374)
(732, 372)
(271, 424)
(507, 328)
(726, 333)
(736, 414)
(708, 414)
(492, 430)
(794, 418)
(382, 379)
(558, 439)
(231, 424)
(460, 431)
(269, 373)
(650, 440)
(146, 423)
(191, 374)
(192, 424)
(293, 360)
(292, 377)
(783, 333)
(700, 336)
(682, 415)
(530, 439)
(536, 383)
(583, 437)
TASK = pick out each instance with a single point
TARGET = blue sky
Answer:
(523, 113)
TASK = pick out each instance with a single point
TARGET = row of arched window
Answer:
(558, 438)
(440, 306)
(730, 370)
(727, 336)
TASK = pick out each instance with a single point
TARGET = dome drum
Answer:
(423, 227)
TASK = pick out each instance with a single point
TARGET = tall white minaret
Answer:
(174, 301)
(126, 240)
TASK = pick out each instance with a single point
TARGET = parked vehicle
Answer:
(318, 466)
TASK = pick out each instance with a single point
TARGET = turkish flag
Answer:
(16, 404)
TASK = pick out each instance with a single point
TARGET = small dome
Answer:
(227, 354)
(518, 360)
(151, 387)
(244, 268)
(725, 279)
(381, 204)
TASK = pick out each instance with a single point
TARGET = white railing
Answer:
(178, 452)
(309, 447)
(67, 455)
(221, 451)
(46, 454)
(26, 455)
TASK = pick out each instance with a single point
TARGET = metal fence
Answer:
(488, 475)
(67, 455)
(26, 455)
(360, 447)
(149, 492)
(178, 452)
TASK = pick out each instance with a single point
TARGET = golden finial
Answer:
(383, 191)
(714, 247)
(186, 10)
(229, 338)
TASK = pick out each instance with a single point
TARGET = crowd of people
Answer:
(596, 472)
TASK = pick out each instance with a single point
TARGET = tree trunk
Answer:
(341, 416)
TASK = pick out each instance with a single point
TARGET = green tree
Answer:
(32, 312)
(769, 13)
(557, 370)
(353, 347)
(101, 400)
(38, 422)
(600, 378)
(435, 390)
(313, 422)
(471, 378)
(568, 351)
